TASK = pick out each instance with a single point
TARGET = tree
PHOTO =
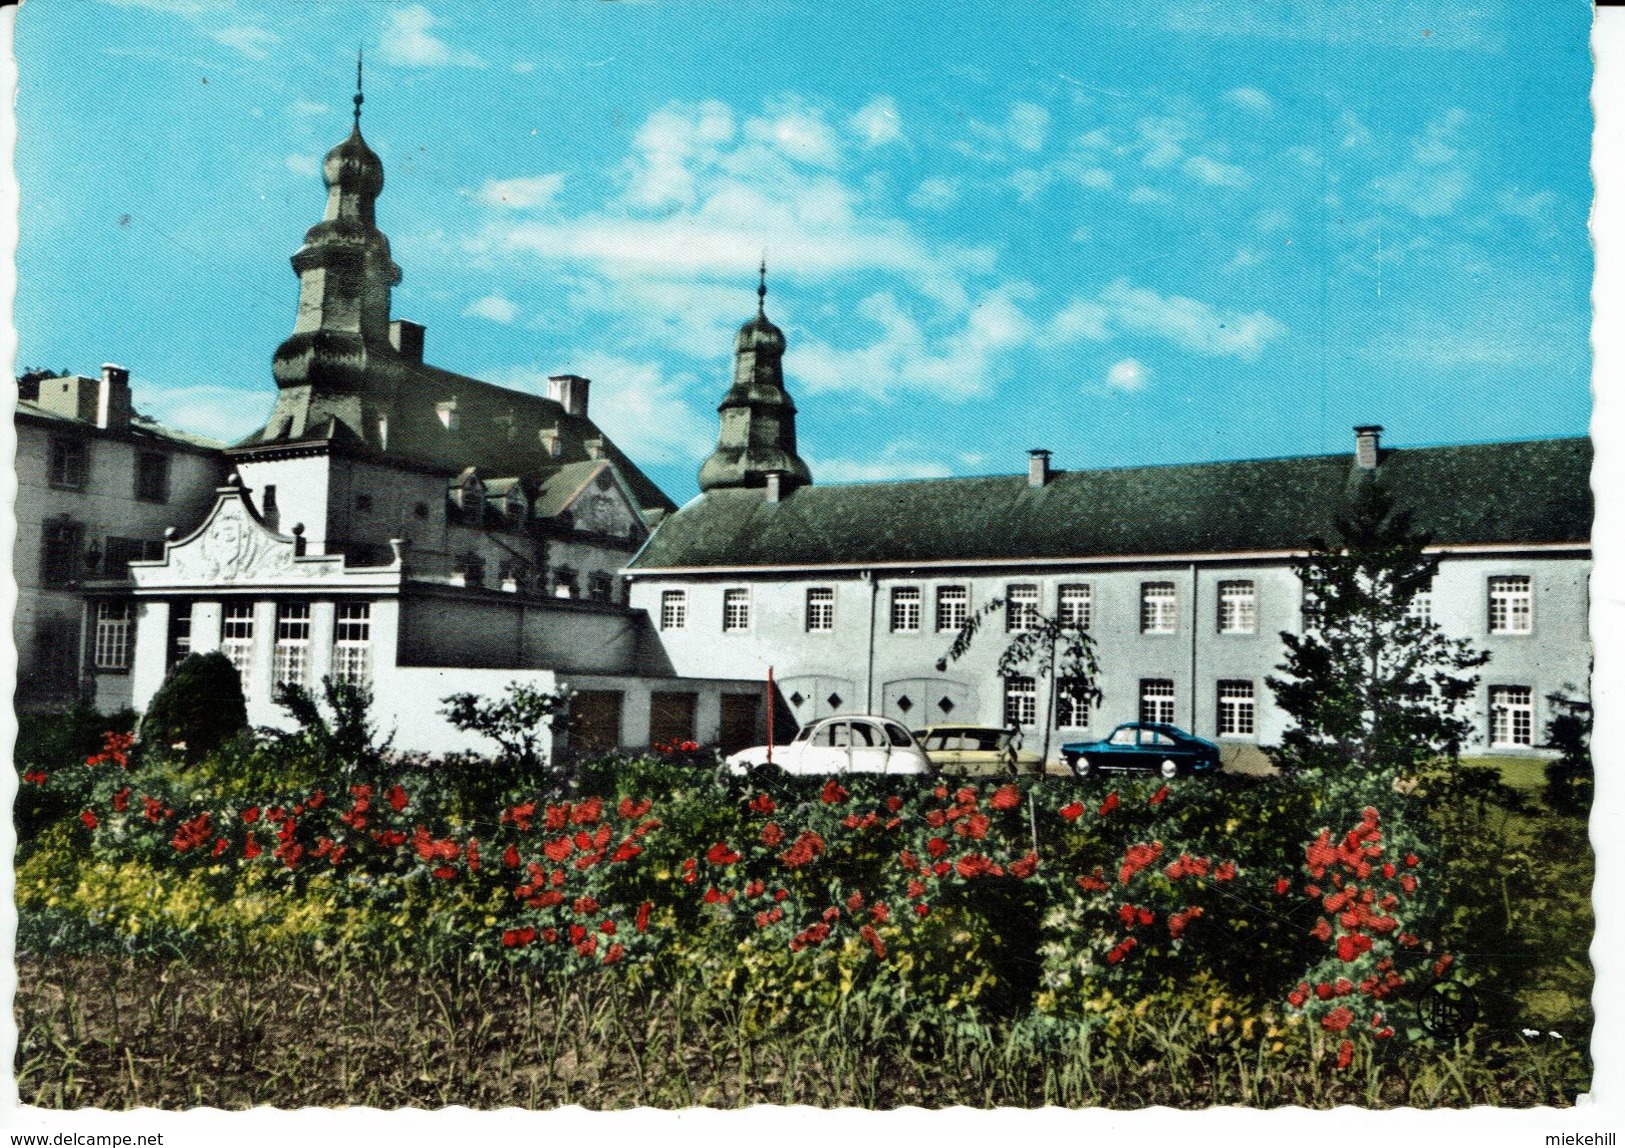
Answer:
(1044, 647)
(1372, 683)
(515, 722)
(199, 707)
(1569, 779)
(349, 737)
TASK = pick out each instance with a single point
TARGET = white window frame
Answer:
(291, 664)
(1075, 606)
(1421, 607)
(905, 609)
(820, 613)
(114, 623)
(1512, 717)
(1020, 701)
(674, 609)
(1070, 712)
(1512, 604)
(1021, 606)
(237, 639)
(1238, 606)
(1157, 700)
(953, 608)
(1237, 708)
(736, 610)
(352, 643)
(1159, 608)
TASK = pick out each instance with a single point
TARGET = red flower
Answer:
(894, 803)
(1178, 921)
(974, 865)
(922, 910)
(1408, 883)
(444, 872)
(1071, 812)
(1443, 963)
(975, 827)
(1388, 869)
(720, 854)
(868, 933)
(642, 924)
(1345, 1053)
(614, 953)
(396, 798)
(854, 902)
(833, 793)
(192, 834)
(1282, 885)
(1412, 860)
(38, 777)
(1159, 796)
(585, 905)
(780, 894)
(1005, 797)
(880, 913)
(804, 849)
(152, 810)
(762, 803)
(630, 810)
(1109, 804)
(550, 934)
(1322, 930)
(1121, 950)
(315, 800)
(510, 857)
(1025, 867)
(1299, 996)
(607, 927)
(1137, 857)
(251, 849)
(558, 849)
(89, 819)
(1351, 945)
(832, 914)
(1337, 1020)
(772, 834)
(625, 851)
(587, 812)
(121, 800)
(942, 868)
(1224, 871)
(936, 846)
(390, 838)
(916, 887)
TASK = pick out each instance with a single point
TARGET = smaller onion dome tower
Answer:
(758, 433)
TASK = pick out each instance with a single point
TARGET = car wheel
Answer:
(767, 772)
(1080, 765)
(1169, 768)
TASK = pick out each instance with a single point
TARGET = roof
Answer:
(141, 427)
(1523, 492)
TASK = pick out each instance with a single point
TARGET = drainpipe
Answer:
(1196, 611)
(869, 672)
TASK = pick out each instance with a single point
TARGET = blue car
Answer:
(1143, 747)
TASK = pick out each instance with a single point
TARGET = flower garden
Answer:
(271, 925)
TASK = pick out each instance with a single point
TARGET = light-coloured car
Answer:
(976, 750)
(843, 743)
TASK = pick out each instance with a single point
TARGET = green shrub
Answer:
(199, 707)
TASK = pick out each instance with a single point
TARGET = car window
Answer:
(898, 735)
(830, 734)
(864, 734)
(985, 739)
(1124, 736)
(936, 741)
(804, 733)
(1155, 737)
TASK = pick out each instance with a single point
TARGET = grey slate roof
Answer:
(1523, 492)
(140, 427)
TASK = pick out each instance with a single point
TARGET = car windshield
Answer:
(804, 733)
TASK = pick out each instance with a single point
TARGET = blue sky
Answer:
(1130, 234)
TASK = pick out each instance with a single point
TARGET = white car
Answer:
(845, 743)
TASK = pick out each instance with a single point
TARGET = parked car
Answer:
(1149, 747)
(976, 749)
(844, 743)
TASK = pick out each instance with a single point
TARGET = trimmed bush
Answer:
(199, 707)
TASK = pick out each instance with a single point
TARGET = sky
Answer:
(1129, 234)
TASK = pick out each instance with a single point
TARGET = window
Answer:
(112, 643)
(1020, 701)
(564, 583)
(152, 477)
(292, 643)
(123, 551)
(1511, 605)
(820, 610)
(62, 554)
(1158, 613)
(1157, 700)
(1071, 712)
(1236, 709)
(1421, 607)
(735, 610)
(600, 587)
(1512, 716)
(953, 607)
(69, 462)
(674, 610)
(1238, 608)
(905, 610)
(352, 643)
(1021, 609)
(237, 639)
(1077, 606)
(180, 632)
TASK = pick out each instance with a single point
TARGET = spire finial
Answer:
(761, 289)
(358, 96)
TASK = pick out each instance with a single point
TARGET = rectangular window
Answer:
(1238, 608)
(905, 610)
(152, 477)
(953, 607)
(1071, 712)
(1157, 700)
(62, 553)
(69, 463)
(1158, 608)
(820, 610)
(674, 610)
(352, 643)
(1236, 709)
(1020, 701)
(1077, 606)
(1511, 605)
(1021, 607)
(237, 639)
(735, 610)
(114, 623)
(1512, 716)
(1421, 607)
(600, 587)
(180, 632)
(123, 551)
(292, 643)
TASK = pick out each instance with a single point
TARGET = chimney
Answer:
(775, 485)
(570, 392)
(1038, 468)
(1367, 447)
(113, 398)
(407, 338)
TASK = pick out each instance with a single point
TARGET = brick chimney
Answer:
(1038, 467)
(407, 338)
(113, 398)
(570, 392)
(1367, 447)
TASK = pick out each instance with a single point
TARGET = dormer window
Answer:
(447, 413)
(466, 499)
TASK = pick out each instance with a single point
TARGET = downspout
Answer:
(1196, 610)
(869, 671)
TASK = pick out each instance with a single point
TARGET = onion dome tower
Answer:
(345, 276)
(758, 433)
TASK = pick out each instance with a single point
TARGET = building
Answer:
(853, 593)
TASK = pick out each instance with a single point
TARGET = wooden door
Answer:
(595, 721)
(671, 718)
(738, 722)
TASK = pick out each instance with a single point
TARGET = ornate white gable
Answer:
(603, 506)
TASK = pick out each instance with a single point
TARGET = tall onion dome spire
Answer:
(758, 433)
(345, 276)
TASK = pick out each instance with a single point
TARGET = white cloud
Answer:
(1084, 319)
(224, 413)
(1434, 180)
(408, 40)
(1128, 375)
(1216, 174)
(1162, 140)
(307, 108)
(1190, 323)
(634, 402)
(878, 122)
(493, 307)
(1029, 124)
(1536, 207)
(303, 164)
(1149, 196)
(1251, 99)
(521, 191)
(1355, 134)
(249, 39)
(797, 133)
(934, 194)
(1244, 259)
(896, 460)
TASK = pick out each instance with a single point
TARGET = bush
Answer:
(199, 707)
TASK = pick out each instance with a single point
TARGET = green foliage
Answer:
(1570, 779)
(1370, 686)
(348, 736)
(199, 707)
(515, 721)
(47, 746)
